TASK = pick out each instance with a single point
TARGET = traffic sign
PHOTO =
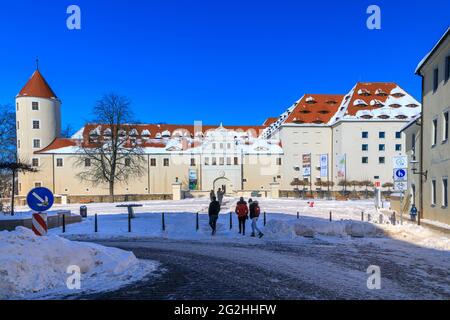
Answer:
(401, 162)
(400, 175)
(400, 186)
(40, 199)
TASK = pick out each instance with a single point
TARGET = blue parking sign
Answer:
(40, 199)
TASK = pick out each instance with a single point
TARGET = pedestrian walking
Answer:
(255, 211)
(220, 195)
(213, 212)
(242, 213)
(212, 195)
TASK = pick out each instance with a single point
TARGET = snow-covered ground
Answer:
(34, 267)
(282, 222)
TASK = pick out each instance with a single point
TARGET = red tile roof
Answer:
(59, 143)
(38, 87)
(269, 121)
(368, 92)
(315, 109)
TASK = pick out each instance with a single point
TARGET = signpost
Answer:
(401, 179)
(40, 200)
(307, 172)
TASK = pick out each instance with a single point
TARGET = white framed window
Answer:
(445, 127)
(433, 192)
(35, 162)
(229, 161)
(214, 162)
(87, 162)
(18, 125)
(445, 192)
(434, 131)
(35, 106)
(206, 161)
(36, 143)
(59, 162)
(36, 124)
(221, 161)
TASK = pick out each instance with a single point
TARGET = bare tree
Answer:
(14, 168)
(111, 151)
(7, 133)
(67, 132)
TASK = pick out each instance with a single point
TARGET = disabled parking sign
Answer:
(40, 199)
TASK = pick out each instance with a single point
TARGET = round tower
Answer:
(38, 115)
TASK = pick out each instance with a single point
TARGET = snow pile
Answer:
(35, 267)
(281, 229)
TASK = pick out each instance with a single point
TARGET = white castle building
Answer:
(357, 133)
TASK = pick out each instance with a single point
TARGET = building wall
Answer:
(348, 139)
(299, 140)
(436, 158)
(413, 149)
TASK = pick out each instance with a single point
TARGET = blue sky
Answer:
(234, 61)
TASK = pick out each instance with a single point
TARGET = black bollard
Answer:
(96, 223)
(231, 220)
(265, 219)
(64, 223)
(163, 222)
(362, 216)
(298, 215)
(129, 221)
(331, 216)
(197, 223)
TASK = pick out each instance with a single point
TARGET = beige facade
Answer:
(436, 146)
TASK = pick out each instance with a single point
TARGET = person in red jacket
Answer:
(242, 213)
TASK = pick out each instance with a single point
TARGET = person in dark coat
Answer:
(242, 213)
(220, 195)
(254, 216)
(212, 195)
(213, 212)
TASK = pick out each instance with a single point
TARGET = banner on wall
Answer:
(324, 165)
(193, 180)
(342, 166)
(306, 165)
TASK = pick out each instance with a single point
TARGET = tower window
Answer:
(35, 106)
(18, 125)
(153, 162)
(127, 162)
(59, 162)
(36, 143)
(166, 162)
(17, 106)
(36, 124)
(87, 162)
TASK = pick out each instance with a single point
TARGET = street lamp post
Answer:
(424, 174)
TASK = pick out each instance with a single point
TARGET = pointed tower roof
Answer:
(37, 87)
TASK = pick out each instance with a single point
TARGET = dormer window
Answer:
(412, 105)
(145, 134)
(364, 92)
(395, 105)
(122, 133)
(310, 100)
(158, 135)
(318, 121)
(298, 121)
(401, 116)
(398, 95)
(324, 111)
(166, 134)
(305, 111)
(381, 93)
(331, 102)
(360, 103)
(133, 133)
(376, 103)
(366, 116)
(383, 116)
